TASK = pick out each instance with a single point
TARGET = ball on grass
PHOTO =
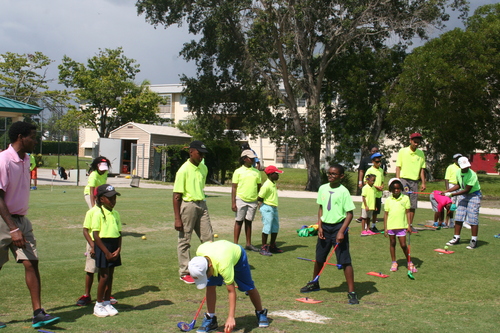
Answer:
(446, 247)
(144, 237)
(215, 235)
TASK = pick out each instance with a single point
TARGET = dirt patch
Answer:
(303, 315)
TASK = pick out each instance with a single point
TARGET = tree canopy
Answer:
(253, 55)
(449, 89)
(106, 90)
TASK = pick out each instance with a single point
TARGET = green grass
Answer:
(66, 161)
(450, 293)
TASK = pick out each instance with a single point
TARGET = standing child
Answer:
(368, 195)
(244, 192)
(376, 169)
(98, 175)
(90, 267)
(334, 216)
(224, 262)
(268, 201)
(106, 228)
(397, 221)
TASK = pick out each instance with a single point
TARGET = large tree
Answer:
(106, 90)
(253, 55)
(450, 89)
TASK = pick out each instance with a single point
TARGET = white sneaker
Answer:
(100, 311)
(466, 225)
(111, 310)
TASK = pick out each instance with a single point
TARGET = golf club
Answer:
(410, 192)
(337, 265)
(185, 327)
(410, 273)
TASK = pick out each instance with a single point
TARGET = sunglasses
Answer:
(377, 161)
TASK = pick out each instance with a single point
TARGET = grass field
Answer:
(450, 293)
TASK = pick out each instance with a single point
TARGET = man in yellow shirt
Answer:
(410, 165)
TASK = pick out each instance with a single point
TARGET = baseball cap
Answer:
(393, 180)
(248, 153)
(199, 146)
(376, 155)
(463, 162)
(198, 267)
(416, 135)
(457, 156)
(272, 169)
(106, 190)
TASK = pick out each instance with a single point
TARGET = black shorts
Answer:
(324, 246)
(378, 206)
(100, 258)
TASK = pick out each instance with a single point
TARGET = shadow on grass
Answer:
(247, 322)
(136, 292)
(132, 234)
(362, 288)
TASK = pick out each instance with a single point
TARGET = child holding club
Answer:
(439, 204)
(334, 216)
(397, 221)
(106, 228)
(368, 195)
(224, 262)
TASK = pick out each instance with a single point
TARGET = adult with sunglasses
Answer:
(376, 169)
(410, 166)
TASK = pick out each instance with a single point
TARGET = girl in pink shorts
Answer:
(397, 211)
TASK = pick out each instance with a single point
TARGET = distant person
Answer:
(256, 162)
(469, 201)
(334, 216)
(244, 192)
(98, 175)
(450, 180)
(368, 206)
(439, 203)
(16, 230)
(364, 165)
(33, 171)
(223, 262)
(397, 222)
(190, 206)
(376, 169)
(268, 203)
(107, 232)
(410, 166)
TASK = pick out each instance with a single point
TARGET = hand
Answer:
(230, 324)
(92, 252)
(320, 233)
(178, 225)
(234, 208)
(18, 239)
(340, 237)
(422, 187)
(449, 194)
(385, 233)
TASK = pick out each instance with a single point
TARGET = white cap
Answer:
(463, 162)
(198, 270)
(393, 179)
(457, 156)
(103, 166)
(248, 153)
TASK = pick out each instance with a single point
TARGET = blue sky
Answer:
(78, 28)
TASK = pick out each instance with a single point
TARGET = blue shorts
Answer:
(242, 275)
(323, 246)
(270, 219)
(468, 208)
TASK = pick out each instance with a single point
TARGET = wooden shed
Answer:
(138, 142)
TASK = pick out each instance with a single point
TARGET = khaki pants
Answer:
(194, 215)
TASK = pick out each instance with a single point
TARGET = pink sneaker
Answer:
(365, 233)
(412, 268)
(394, 266)
(187, 279)
(371, 233)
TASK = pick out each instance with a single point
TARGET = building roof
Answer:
(167, 88)
(8, 105)
(156, 130)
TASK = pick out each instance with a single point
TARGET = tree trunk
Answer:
(313, 170)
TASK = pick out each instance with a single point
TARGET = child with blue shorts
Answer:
(334, 217)
(268, 202)
(224, 262)
(397, 221)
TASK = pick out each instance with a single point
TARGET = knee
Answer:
(238, 223)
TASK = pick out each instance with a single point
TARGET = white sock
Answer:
(106, 303)
(474, 238)
(373, 225)
(98, 303)
(211, 315)
(456, 236)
